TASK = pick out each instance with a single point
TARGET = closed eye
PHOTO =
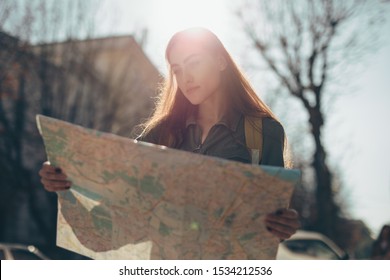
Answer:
(193, 63)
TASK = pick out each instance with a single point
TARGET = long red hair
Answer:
(173, 108)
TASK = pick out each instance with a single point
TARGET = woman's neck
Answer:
(212, 109)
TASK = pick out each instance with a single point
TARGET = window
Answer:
(313, 248)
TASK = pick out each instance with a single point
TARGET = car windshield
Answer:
(313, 248)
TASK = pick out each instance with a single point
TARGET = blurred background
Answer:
(322, 66)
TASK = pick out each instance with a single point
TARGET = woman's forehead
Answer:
(184, 49)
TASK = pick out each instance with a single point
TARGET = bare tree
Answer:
(51, 66)
(303, 43)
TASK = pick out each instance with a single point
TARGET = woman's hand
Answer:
(283, 223)
(53, 178)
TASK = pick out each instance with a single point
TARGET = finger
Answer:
(280, 234)
(46, 166)
(290, 213)
(55, 185)
(294, 223)
(287, 213)
(52, 172)
(53, 176)
(52, 189)
(281, 228)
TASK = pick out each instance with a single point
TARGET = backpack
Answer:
(254, 137)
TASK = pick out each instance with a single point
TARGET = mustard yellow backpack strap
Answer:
(254, 137)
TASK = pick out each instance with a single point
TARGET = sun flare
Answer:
(174, 15)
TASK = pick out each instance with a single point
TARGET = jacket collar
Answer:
(231, 119)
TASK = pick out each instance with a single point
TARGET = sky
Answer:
(356, 134)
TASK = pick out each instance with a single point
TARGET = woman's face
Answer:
(196, 70)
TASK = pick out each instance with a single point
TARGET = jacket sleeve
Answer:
(273, 143)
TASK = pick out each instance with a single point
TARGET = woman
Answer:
(201, 108)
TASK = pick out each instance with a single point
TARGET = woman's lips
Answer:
(192, 89)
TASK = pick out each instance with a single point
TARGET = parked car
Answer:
(308, 245)
(20, 252)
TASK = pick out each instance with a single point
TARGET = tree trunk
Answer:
(326, 208)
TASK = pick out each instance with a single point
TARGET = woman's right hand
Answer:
(53, 178)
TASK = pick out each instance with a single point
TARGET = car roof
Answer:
(311, 235)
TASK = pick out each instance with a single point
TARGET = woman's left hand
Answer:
(283, 223)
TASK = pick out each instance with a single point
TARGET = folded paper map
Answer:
(135, 200)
